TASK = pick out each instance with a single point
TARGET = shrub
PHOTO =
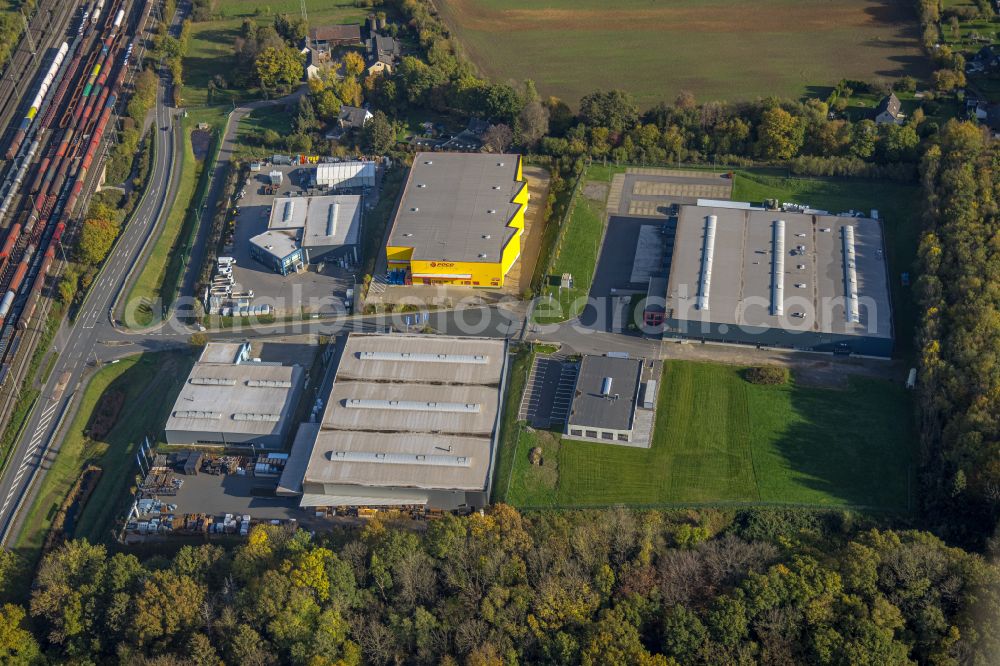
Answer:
(767, 374)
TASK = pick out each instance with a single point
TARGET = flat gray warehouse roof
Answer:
(593, 409)
(431, 359)
(780, 270)
(245, 398)
(417, 461)
(326, 220)
(456, 206)
(405, 412)
(411, 407)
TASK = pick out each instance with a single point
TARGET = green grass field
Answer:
(581, 244)
(211, 49)
(718, 49)
(151, 383)
(720, 439)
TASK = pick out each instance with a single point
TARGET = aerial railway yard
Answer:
(52, 150)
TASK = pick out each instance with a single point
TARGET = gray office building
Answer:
(614, 400)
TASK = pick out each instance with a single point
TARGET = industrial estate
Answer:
(296, 302)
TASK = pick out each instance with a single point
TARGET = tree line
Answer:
(959, 337)
(586, 587)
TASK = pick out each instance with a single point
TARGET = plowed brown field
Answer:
(718, 49)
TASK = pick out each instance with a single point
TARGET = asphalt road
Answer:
(77, 344)
(217, 188)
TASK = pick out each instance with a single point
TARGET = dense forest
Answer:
(960, 334)
(608, 587)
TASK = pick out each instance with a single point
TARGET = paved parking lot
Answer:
(651, 192)
(319, 289)
(548, 393)
(634, 249)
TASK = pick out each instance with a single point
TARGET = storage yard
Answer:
(296, 243)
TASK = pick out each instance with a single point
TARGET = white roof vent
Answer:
(492, 211)
(421, 185)
(482, 255)
(496, 187)
(486, 236)
(499, 163)
(407, 234)
(414, 210)
(428, 161)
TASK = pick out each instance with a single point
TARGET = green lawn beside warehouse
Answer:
(719, 439)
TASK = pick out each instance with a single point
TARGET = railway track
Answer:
(47, 26)
(54, 153)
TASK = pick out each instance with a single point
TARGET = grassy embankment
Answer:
(150, 384)
(156, 285)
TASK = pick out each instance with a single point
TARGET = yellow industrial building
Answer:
(459, 220)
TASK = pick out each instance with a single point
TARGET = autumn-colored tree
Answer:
(278, 66)
(354, 63)
(18, 646)
(97, 235)
(779, 135)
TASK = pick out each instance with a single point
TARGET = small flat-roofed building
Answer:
(410, 421)
(653, 310)
(305, 230)
(805, 281)
(459, 219)
(346, 175)
(614, 401)
(279, 250)
(230, 399)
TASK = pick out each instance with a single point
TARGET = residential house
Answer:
(985, 58)
(888, 110)
(383, 52)
(325, 38)
(976, 108)
(352, 117)
(312, 64)
(470, 139)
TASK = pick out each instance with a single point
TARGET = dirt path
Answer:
(519, 277)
